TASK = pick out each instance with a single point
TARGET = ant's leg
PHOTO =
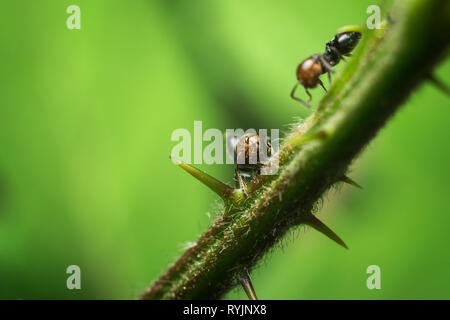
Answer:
(242, 184)
(326, 65)
(309, 94)
(328, 68)
(321, 83)
(297, 99)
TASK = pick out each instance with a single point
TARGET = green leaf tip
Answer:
(349, 181)
(363, 28)
(221, 189)
(247, 285)
(318, 225)
(351, 27)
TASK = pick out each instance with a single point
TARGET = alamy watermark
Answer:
(374, 280)
(374, 20)
(74, 20)
(74, 280)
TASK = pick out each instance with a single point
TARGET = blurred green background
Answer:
(85, 126)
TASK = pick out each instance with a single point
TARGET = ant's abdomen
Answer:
(347, 41)
(308, 72)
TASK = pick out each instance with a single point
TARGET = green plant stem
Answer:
(386, 67)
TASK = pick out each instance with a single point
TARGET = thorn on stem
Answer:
(439, 84)
(247, 285)
(318, 225)
(220, 188)
(348, 180)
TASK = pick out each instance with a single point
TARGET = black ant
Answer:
(247, 151)
(309, 71)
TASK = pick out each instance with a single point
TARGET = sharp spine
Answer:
(439, 84)
(348, 180)
(315, 223)
(247, 285)
(221, 189)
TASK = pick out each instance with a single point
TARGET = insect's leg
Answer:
(309, 94)
(321, 84)
(242, 184)
(325, 64)
(237, 183)
(328, 68)
(298, 99)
